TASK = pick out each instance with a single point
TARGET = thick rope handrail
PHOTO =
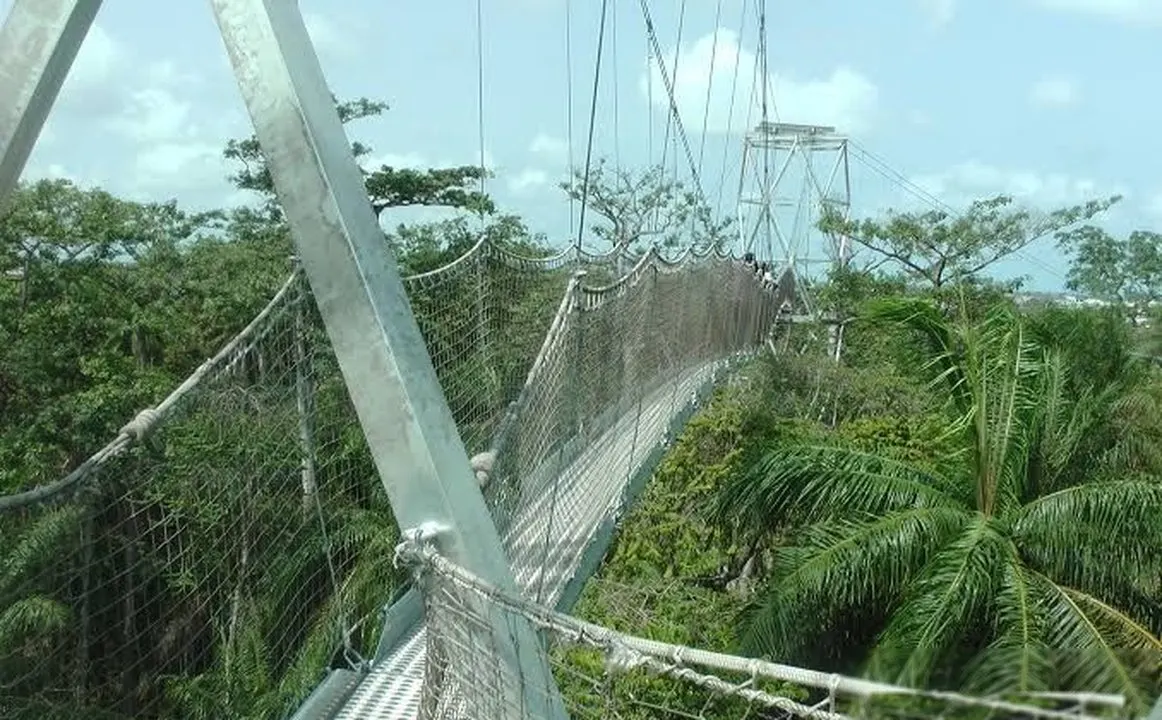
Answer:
(147, 420)
(595, 297)
(549, 262)
(418, 552)
(462, 259)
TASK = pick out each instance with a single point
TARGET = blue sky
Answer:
(1049, 100)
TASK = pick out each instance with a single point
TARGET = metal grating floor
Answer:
(590, 491)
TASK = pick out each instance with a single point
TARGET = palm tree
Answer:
(1025, 559)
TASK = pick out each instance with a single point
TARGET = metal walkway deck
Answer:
(590, 492)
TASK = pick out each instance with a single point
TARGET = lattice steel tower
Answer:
(789, 174)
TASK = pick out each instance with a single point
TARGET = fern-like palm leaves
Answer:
(1028, 561)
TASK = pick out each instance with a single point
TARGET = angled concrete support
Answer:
(38, 43)
(393, 384)
(414, 442)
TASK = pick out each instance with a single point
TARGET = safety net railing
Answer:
(619, 360)
(602, 673)
(228, 545)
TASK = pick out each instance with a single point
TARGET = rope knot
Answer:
(142, 425)
(482, 464)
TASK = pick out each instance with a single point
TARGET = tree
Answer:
(386, 186)
(639, 209)
(80, 328)
(1021, 559)
(937, 248)
(1125, 271)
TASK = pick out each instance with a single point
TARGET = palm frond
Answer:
(940, 342)
(951, 595)
(1097, 647)
(40, 543)
(1100, 537)
(830, 568)
(35, 616)
(815, 483)
(1017, 660)
(1002, 367)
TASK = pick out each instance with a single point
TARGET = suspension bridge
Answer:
(438, 462)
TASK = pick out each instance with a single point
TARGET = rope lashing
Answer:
(141, 426)
(482, 464)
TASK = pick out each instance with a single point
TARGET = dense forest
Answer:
(968, 497)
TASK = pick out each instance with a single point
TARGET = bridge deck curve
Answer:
(589, 495)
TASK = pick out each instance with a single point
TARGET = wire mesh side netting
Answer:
(230, 545)
(208, 568)
(602, 673)
(617, 366)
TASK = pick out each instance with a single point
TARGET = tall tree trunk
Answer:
(240, 581)
(305, 400)
(129, 620)
(85, 621)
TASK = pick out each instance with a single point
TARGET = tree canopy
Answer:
(637, 209)
(936, 247)
(968, 498)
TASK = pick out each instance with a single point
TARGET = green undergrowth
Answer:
(663, 576)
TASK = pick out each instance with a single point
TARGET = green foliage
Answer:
(917, 439)
(937, 248)
(1126, 271)
(636, 210)
(1003, 548)
(199, 576)
(967, 503)
(665, 576)
(386, 186)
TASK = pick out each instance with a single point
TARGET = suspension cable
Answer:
(480, 104)
(656, 49)
(569, 102)
(709, 87)
(592, 124)
(616, 92)
(730, 113)
(677, 56)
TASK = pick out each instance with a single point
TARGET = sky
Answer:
(1050, 101)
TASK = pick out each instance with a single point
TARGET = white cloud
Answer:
(919, 118)
(93, 85)
(845, 99)
(326, 37)
(551, 148)
(973, 180)
(170, 167)
(99, 58)
(411, 161)
(1136, 12)
(939, 12)
(1154, 206)
(154, 114)
(416, 161)
(528, 180)
(171, 150)
(1053, 92)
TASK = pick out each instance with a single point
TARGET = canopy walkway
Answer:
(294, 530)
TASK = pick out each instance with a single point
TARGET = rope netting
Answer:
(620, 361)
(230, 543)
(602, 673)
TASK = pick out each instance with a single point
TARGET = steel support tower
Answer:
(790, 174)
